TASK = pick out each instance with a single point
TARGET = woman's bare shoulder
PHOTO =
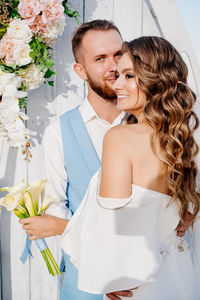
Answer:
(119, 132)
(116, 141)
(127, 133)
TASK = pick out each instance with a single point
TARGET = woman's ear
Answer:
(80, 71)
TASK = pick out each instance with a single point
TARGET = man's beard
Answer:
(103, 90)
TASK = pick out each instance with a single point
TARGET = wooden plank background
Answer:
(134, 18)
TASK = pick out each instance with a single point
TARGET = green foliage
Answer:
(20, 71)
(15, 3)
(70, 12)
(14, 13)
(40, 54)
(6, 68)
(51, 83)
(3, 29)
(49, 73)
(13, 68)
(8, 9)
(22, 87)
(23, 102)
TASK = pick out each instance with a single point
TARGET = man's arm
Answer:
(53, 168)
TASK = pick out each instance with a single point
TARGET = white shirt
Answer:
(53, 156)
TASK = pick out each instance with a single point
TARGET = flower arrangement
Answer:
(27, 201)
(28, 32)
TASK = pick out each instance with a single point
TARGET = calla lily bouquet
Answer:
(27, 201)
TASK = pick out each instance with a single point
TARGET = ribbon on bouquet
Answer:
(41, 244)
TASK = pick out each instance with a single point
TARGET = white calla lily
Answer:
(24, 201)
(47, 200)
(35, 190)
(19, 187)
(29, 204)
(10, 201)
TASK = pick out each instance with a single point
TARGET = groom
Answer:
(72, 144)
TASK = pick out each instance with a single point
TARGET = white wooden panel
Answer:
(150, 26)
(191, 79)
(20, 277)
(128, 18)
(174, 30)
(98, 9)
(12, 240)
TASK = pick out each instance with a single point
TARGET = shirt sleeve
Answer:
(53, 168)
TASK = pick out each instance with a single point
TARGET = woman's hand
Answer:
(115, 295)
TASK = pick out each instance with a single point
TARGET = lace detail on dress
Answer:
(176, 245)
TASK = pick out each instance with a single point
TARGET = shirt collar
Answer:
(88, 113)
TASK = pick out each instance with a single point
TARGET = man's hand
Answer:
(182, 228)
(43, 226)
(115, 295)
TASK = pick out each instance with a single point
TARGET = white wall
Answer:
(134, 18)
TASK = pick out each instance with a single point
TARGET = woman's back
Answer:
(132, 161)
(148, 171)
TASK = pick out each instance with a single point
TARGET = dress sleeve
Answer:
(108, 240)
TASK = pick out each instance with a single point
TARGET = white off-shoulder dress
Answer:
(120, 244)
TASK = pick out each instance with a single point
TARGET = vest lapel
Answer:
(84, 141)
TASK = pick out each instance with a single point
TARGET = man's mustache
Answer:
(111, 77)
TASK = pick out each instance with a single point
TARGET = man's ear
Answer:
(80, 71)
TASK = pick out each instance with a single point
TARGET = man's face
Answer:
(100, 54)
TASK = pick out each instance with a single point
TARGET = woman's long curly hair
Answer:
(162, 76)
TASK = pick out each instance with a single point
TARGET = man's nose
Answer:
(112, 64)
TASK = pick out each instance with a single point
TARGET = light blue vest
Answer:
(81, 162)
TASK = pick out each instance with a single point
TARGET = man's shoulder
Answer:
(54, 124)
(53, 128)
(69, 112)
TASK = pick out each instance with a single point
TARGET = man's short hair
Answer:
(78, 35)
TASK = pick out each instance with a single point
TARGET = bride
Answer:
(123, 235)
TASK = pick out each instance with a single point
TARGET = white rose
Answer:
(33, 77)
(21, 55)
(19, 30)
(54, 30)
(9, 91)
(9, 110)
(17, 134)
(8, 78)
(12, 128)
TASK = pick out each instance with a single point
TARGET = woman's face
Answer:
(129, 96)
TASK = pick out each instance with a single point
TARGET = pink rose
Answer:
(29, 9)
(7, 47)
(52, 10)
(38, 26)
